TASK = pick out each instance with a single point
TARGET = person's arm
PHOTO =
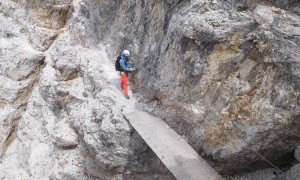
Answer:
(124, 67)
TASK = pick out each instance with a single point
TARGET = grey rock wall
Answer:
(60, 100)
(224, 74)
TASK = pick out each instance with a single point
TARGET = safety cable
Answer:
(267, 160)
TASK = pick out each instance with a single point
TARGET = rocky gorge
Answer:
(224, 74)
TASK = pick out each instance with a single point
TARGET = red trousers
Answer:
(124, 82)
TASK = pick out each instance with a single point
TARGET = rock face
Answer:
(223, 74)
(59, 114)
(65, 137)
(297, 154)
(293, 173)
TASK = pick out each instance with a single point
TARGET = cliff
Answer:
(223, 74)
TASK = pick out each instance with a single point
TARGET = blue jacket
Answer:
(124, 64)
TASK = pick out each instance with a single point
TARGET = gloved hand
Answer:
(133, 70)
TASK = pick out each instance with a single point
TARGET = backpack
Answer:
(117, 64)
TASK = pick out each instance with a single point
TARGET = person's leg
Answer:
(124, 83)
(122, 86)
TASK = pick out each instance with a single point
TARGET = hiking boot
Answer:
(127, 97)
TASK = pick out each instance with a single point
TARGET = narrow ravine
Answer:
(223, 74)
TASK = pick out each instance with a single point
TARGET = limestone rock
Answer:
(293, 173)
(60, 118)
(64, 136)
(51, 14)
(264, 174)
(223, 74)
(24, 62)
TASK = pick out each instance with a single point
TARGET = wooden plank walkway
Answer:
(182, 160)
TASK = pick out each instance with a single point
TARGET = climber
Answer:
(124, 70)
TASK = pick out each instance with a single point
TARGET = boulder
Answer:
(293, 173)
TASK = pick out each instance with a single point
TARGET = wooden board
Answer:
(177, 155)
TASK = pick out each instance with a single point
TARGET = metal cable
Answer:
(265, 159)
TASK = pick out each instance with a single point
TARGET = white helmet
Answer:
(126, 53)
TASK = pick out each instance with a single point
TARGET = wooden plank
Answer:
(177, 155)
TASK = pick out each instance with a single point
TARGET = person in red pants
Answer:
(125, 69)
